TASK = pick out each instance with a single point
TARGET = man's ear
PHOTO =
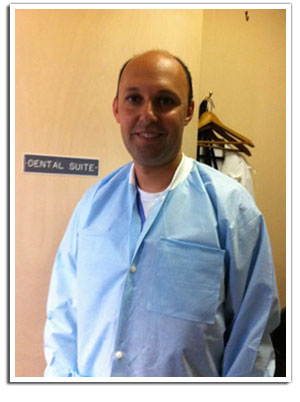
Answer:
(190, 113)
(116, 109)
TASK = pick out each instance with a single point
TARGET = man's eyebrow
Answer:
(131, 89)
(167, 91)
(160, 92)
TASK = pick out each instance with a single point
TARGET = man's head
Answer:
(152, 106)
(185, 68)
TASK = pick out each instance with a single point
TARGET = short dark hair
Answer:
(189, 79)
(185, 69)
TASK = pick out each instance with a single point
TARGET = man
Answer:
(165, 268)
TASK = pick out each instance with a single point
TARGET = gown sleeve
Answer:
(252, 301)
(60, 337)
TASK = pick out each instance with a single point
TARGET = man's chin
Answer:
(154, 162)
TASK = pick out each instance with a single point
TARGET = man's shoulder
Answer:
(109, 182)
(226, 194)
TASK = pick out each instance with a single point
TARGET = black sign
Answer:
(60, 165)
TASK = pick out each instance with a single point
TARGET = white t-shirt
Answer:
(149, 199)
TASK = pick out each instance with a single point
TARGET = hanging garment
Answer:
(235, 166)
(192, 294)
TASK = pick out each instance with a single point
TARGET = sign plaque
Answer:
(60, 165)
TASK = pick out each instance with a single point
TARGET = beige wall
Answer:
(243, 63)
(67, 62)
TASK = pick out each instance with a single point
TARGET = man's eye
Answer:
(134, 99)
(165, 101)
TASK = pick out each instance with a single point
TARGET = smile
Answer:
(148, 135)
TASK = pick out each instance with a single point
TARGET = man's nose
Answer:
(148, 113)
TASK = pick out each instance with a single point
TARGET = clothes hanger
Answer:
(209, 124)
(238, 146)
(209, 119)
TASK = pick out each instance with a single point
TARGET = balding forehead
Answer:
(153, 64)
(161, 58)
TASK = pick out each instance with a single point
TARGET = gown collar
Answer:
(180, 174)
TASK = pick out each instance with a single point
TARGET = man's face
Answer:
(152, 109)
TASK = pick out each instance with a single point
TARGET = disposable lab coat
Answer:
(192, 294)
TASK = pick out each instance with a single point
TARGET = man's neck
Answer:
(156, 179)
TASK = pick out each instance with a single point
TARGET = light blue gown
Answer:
(192, 294)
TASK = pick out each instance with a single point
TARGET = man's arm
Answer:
(60, 336)
(252, 301)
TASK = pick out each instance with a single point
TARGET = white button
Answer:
(163, 197)
(133, 269)
(119, 354)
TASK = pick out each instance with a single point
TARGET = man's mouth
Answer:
(148, 135)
